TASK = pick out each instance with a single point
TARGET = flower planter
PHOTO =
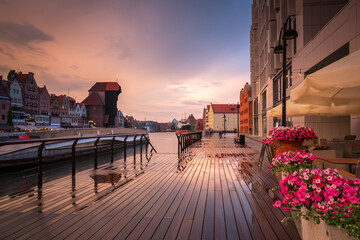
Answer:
(283, 146)
(297, 221)
(322, 231)
(281, 175)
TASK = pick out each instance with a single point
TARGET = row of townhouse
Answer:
(31, 104)
(328, 31)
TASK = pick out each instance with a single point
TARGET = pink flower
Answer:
(277, 204)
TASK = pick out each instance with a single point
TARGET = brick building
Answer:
(5, 104)
(101, 104)
(246, 123)
(44, 101)
(30, 92)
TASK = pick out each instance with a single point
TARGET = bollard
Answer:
(242, 139)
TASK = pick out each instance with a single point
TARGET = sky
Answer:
(170, 57)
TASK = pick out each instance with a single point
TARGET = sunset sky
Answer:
(170, 57)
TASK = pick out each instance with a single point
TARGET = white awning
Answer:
(293, 109)
(335, 85)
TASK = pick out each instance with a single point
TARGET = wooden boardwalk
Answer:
(221, 194)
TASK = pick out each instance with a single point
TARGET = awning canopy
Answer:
(335, 85)
(293, 109)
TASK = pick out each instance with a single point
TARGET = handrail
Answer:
(64, 139)
(73, 145)
(185, 140)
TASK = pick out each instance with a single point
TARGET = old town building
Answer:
(5, 104)
(16, 96)
(101, 104)
(222, 117)
(30, 93)
(246, 122)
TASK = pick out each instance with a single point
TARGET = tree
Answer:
(10, 118)
(11, 72)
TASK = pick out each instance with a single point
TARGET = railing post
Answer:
(95, 153)
(112, 150)
(141, 146)
(135, 151)
(40, 177)
(73, 168)
(125, 152)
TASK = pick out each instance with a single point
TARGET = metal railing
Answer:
(75, 140)
(185, 140)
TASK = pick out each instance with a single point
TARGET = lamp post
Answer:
(285, 34)
(238, 124)
(224, 122)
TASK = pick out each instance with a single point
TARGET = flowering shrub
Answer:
(291, 161)
(325, 195)
(290, 134)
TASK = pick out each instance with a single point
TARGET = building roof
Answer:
(106, 86)
(41, 89)
(224, 108)
(93, 100)
(3, 92)
(60, 97)
(22, 78)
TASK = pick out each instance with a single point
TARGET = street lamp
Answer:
(286, 33)
(238, 124)
(224, 122)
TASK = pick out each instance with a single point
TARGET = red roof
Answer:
(41, 89)
(224, 108)
(106, 86)
(93, 100)
(60, 97)
(3, 92)
(81, 104)
(22, 77)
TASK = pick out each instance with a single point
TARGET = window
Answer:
(3, 106)
(277, 85)
(3, 117)
(277, 89)
(294, 38)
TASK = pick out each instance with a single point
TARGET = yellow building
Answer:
(222, 117)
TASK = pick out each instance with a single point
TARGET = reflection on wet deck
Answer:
(220, 194)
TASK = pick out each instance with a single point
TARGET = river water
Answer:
(16, 181)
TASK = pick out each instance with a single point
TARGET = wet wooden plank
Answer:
(210, 199)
